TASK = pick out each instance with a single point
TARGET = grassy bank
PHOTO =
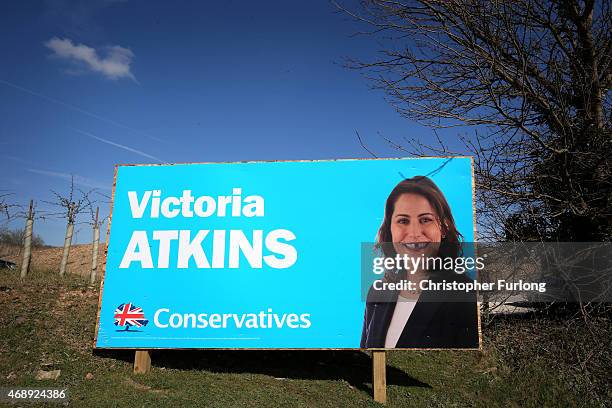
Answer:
(48, 323)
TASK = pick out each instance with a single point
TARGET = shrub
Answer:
(15, 237)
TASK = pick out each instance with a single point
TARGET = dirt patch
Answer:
(81, 301)
(143, 387)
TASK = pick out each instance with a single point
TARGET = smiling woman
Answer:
(418, 223)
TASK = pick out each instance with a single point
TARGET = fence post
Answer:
(27, 242)
(94, 255)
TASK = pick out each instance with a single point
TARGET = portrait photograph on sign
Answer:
(417, 240)
(293, 255)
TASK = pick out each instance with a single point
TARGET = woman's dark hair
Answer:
(450, 246)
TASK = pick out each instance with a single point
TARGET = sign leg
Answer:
(142, 362)
(379, 376)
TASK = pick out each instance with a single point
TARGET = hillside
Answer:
(49, 258)
(47, 323)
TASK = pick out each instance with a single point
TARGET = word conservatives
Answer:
(163, 319)
(204, 248)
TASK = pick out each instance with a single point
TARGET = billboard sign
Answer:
(262, 255)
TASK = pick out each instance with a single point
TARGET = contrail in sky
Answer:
(84, 181)
(124, 147)
(77, 109)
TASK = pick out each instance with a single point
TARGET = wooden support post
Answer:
(27, 242)
(142, 362)
(379, 376)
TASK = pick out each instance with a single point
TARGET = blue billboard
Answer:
(262, 254)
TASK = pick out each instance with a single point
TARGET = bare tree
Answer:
(96, 223)
(531, 78)
(7, 209)
(4, 207)
(15, 237)
(70, 206)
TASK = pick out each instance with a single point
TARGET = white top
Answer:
(401, 314)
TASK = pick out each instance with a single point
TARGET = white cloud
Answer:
(114, 65)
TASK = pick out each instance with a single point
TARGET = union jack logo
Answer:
(128, 315)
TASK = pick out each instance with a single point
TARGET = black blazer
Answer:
(440, 319)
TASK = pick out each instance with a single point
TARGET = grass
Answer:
(47, 322)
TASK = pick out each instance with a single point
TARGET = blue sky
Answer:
(85, 85)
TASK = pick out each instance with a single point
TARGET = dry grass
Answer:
(49, 258)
